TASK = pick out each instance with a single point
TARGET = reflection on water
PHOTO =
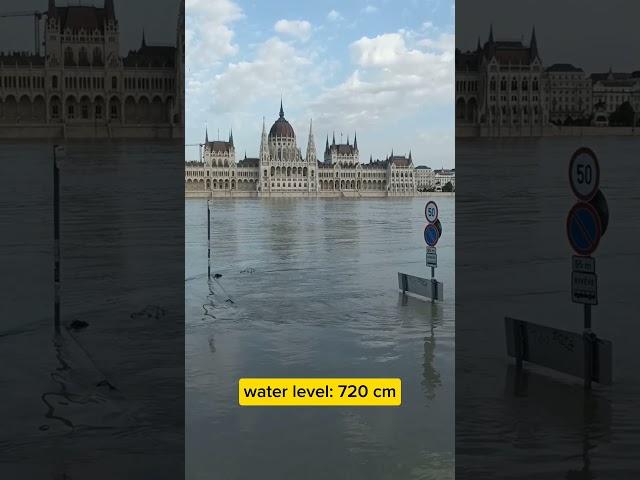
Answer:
(308, 288)
(513, 259)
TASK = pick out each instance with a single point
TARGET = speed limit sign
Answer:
(431, 211)
(584, 174)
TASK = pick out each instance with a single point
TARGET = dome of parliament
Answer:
(281, 127)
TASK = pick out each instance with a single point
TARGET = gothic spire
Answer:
(311, 144)
(333, 144)
(533, 45)
(144, 40)
(231, 136)
(108, 8)
(478, 47)
(347, 139)
(326, 148)
(281, 109)
(409, 154)
(206, 135)
(491, 33)
(355, 140)
(264, 149)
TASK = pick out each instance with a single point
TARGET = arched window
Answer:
(514, 84)
(68, 56)
(503, 84)
(83, 57)
(97, 56)
(114, 83)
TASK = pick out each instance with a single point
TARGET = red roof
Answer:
(80, 16)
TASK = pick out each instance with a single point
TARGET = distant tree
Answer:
(448, 187)
(623, 116)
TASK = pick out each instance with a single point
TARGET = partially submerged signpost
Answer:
(208, 238)
(56, 238)
(576, 354)
(421, 286)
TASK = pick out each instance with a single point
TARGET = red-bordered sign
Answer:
(584, 228)
(431, 211)
(584, 173)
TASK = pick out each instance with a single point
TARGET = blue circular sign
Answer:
(583, 228)
(431, 235)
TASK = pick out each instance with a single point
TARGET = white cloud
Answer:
(445, 42)
(370, 9)
(335, 16)
(391, 80)
(276, 68)
(300, 29)
(208, 32)
(427, 25)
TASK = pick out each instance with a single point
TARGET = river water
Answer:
(309, 289)
(105, 400)
(513, 259)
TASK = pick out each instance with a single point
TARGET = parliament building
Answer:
(82, 87)
(280, 169)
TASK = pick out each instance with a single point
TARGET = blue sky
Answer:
(382, 68)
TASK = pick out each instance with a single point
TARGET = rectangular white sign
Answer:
(432, 257)
(583, 264)
(559, 350)
(584, 288)
(423, 287)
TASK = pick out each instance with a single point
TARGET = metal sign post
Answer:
(586, 223)
(208, 239)
(432, 233)
(56, 240)
(584, 355)
(421, 286)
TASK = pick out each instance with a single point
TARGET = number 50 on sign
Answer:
(584, 174)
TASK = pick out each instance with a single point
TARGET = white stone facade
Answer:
(502, 89)
(83, 84)
(442, 177)
(568, 93)
(281, 169)
(499, 87)
(425, 178)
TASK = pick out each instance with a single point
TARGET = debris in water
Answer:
(78, 325)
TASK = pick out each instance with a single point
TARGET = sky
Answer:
(381, 68)
(591, 34)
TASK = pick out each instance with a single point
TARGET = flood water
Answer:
(513, 259)
(309, 288)
(104, 400)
